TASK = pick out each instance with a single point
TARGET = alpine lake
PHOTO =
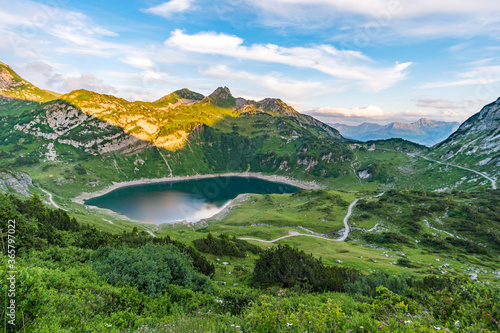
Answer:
(186, 200)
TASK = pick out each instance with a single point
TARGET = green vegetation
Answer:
(288, 267)
(320, 211)
(409, 264)
(444, 222)
(151, 268)
(75, 277)
(223, 245)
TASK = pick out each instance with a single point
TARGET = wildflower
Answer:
(437, 328)
(280, 291)
(488, 314)
(361, 327)
(407, 321)
(379, 326)
(457, 323)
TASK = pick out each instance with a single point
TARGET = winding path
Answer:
(51, 200)
(340, 239)
(493, 181)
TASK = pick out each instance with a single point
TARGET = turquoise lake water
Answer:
(189, 200)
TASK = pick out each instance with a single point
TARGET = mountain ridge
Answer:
(476, 143)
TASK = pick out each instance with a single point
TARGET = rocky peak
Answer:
(8, 78)
(182, 94)
(221, 93)
(277, 106)
(424, 122)
(222, 97)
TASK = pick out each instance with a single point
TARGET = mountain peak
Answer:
(276, 105)
(14, 86)
(8, 78)
(221, 93)
(222, 97)
(179, 95)
(424, 121)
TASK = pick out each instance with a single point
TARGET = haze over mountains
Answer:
(424, 131)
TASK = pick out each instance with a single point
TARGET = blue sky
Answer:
(344, 61)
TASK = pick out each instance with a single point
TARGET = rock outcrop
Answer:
(16, 181)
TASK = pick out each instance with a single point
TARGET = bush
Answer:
(151, 268)
(367, 285)
(223, 245)
(236, 300)
(289, 267)
(79, 169)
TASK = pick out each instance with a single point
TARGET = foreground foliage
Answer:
(68, 282)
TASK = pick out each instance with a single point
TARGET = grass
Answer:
(323, 211)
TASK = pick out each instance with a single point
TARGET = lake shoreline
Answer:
(306, 185)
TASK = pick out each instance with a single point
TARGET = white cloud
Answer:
(382, 20)
(143, 63)
(436, 103)
(478, 76)
(167, 9)
(341, 64)
(37, 29)
(272, 84)
(45, 74)
(397, 8)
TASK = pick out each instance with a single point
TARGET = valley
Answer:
(338, 219)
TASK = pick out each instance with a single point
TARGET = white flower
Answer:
(407, 321)
(457, 323)
(437, 328)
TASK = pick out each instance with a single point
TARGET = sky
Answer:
(347, 61)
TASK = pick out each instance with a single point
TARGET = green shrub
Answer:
(151, 268)
(223, 245)
(289, 267)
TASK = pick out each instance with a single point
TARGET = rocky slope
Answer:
(476, 143)
(424, 131)
(84, 139)
(17, 94)
(15, 181)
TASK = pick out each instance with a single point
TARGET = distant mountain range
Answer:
(424, 131)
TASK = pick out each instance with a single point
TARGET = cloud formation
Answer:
(435, 103)
(66, 83)
(341, 64)
(382, 20)
(168, 9)
(273, 84)
(479, 76)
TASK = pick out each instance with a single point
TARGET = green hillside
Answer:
(390, 240)
(17, 94)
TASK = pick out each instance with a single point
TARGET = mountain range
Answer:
(83, 141)
(109, 139)
(424, 131)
